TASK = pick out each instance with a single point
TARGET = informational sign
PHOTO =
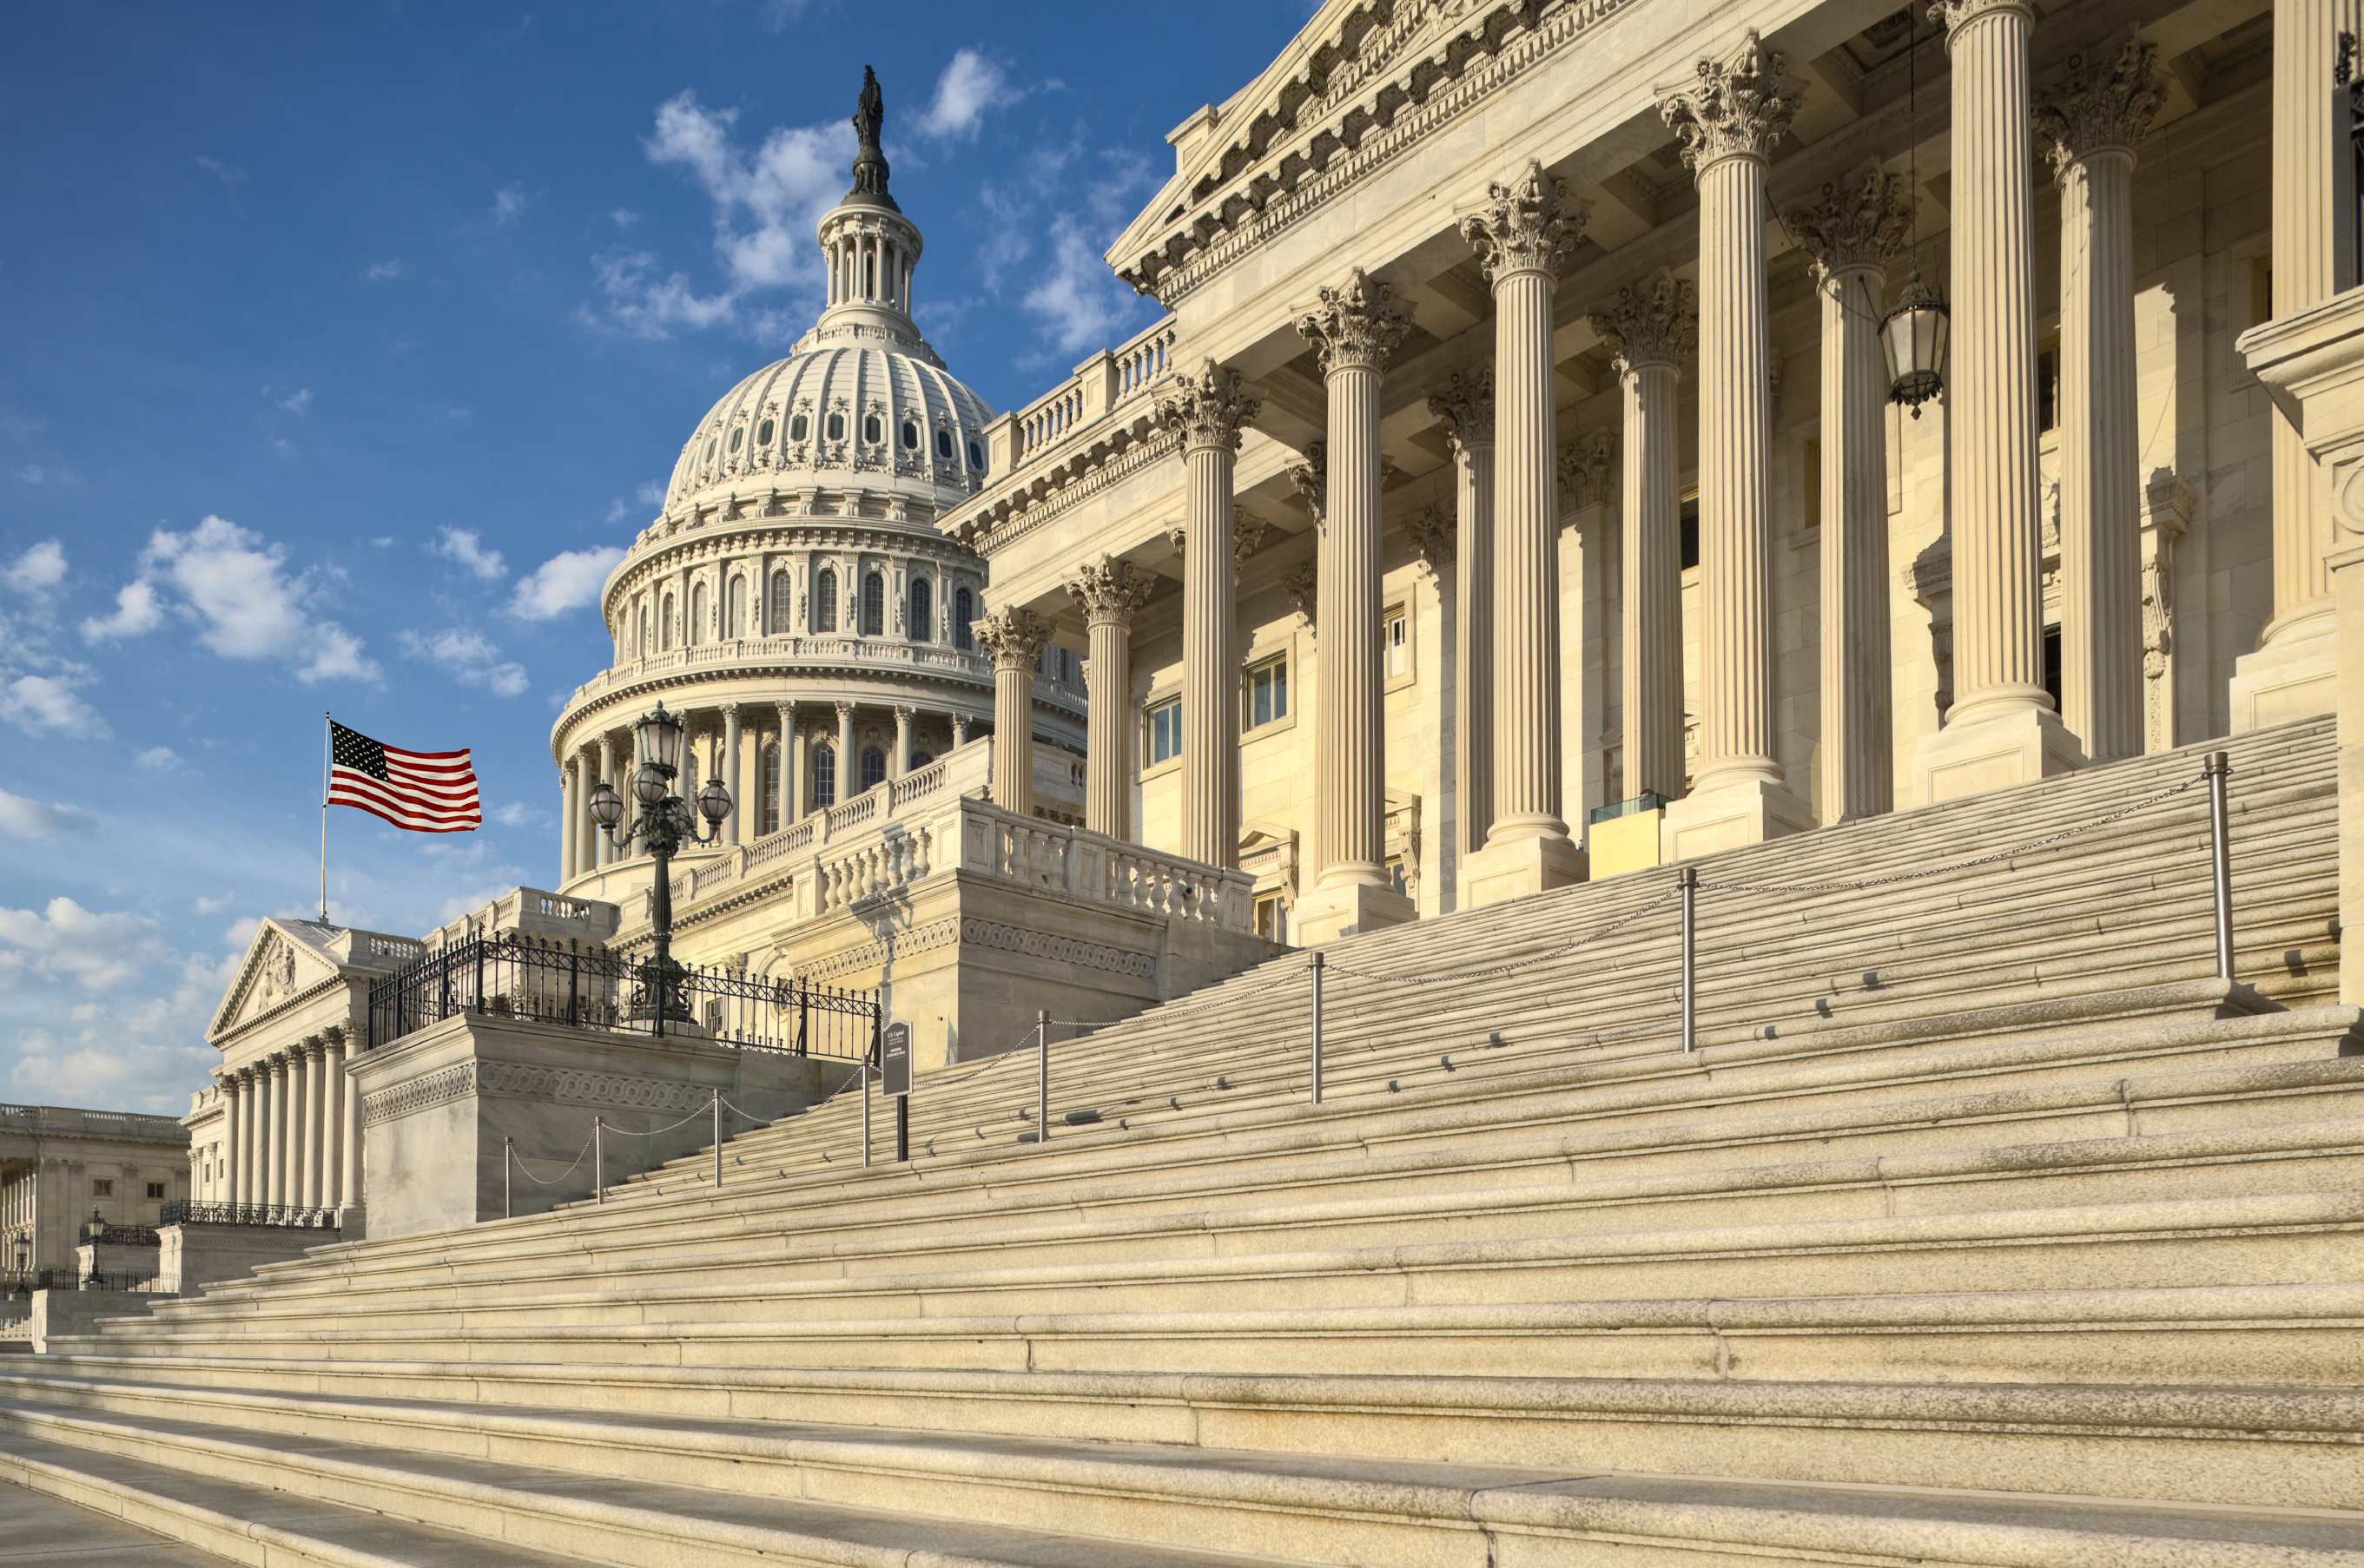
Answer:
(895, 1059)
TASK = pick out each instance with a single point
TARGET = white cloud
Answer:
(244, 602)
(43, 705)
(969, 86)
(136, 611)
(298, 401)
(517, 814)
(66, 941)
(38, 569)
(1079, 300)
(158, 759)
(228, 174)
(384, 271)
(624, 217)
(471, 658)
(22, 819)
(462, 546)
(567, 581)
(645, 305)
(508, 202)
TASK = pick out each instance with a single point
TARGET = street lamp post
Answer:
(666, 822)
(25, 1265)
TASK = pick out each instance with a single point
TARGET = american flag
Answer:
(427, 792)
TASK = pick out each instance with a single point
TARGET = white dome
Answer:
(839, 412)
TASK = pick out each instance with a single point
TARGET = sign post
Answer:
(895, 1079)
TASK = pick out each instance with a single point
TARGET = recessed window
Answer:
(837, 426)
(873, 605)
(1269, 690)
(944, 443)
(783, 599)
(922, 759)
(1395, 642)
(977, 457)
(763, 433)
(797, 426)
(923, 611)
(1164, 730)
(1272, 918)
(964, 612)
(711, 446)
(910, 437)
(102, 1188)
(155, 1189)
(737, 435)
(824, 604)
(873, 767)
(871, 431)
(823, 788)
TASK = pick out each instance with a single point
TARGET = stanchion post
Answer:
(1042, 1077)
(599, 1157)
(1688, 880)
(717, 1140)
(2218, 768)
(1317, 1027)
(865, 1113)
(508, 1180)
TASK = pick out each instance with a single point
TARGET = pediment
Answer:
(285, 959)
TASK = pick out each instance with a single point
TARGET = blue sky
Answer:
(343, 346)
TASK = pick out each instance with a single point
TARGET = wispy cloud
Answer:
(384, 271)
(137, 610)
(45, 704)
(228, 174)
(972, 84)
(296, 402)
(37, 569)
(469, 657)
(567, 581)
(22, 819)
(462, 546)
(508, 202)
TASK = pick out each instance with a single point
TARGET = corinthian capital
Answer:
(1737, 109)
(1209, 409)
(1584, 467)
(1014, 637)
(1358, 324)
(1311, 478)
(2100, 104)
(1527, 226)
(1859, 220)
(1655, 322)
(1110, 590)
(1953, 13)
(1465, 408)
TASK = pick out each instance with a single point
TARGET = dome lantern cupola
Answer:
(869, 248)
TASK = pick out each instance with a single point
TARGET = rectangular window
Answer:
(1165, 731)
(1687, 523)
(102, 1189)
(1269, 690)
(1272, 918)
(2047, 387)
(155, 1189)
(1395, 642)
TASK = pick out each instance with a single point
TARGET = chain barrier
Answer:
(518, 1161)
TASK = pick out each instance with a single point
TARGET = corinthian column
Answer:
(731, 771)
(315, 1161)
(603, 852)
(2091, 120)
(1014, 638)
(1466, 409)
(1850, 231)
(1521, 234)
(570, 813)
(1209, 410)
(2001, 729)
(1728, 120)
(1110, 591)
(1352, 329)
(274, 1131)
(1648, 331)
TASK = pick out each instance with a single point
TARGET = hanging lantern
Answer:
(1913, 334)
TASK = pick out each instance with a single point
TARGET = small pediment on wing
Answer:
(285, 959)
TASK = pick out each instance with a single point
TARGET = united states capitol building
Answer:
(1632, 850)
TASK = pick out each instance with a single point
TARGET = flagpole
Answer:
(327, 719)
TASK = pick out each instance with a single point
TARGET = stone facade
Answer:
(60, 1168)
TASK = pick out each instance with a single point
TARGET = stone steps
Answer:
(637, 1489)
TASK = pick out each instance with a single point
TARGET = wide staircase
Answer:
(1984, 1225)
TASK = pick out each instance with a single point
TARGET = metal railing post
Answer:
(2219, 767)
(717, 1140)
(508, 1181)
(599, 1157)
(1688, 882)
(1317, 1027)
(865, 1113)
(1042, 1077)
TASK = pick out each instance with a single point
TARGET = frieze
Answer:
(420, 1094)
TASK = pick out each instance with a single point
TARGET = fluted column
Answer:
(2001, 729)
(1465, 410)
(1649, 331)
(1849, 232)
(254, 1102)
(1352, 329)
(1110, 591)
(730, 771)
(1728, 120)
(2092, 119)
(274, 1131)
(960, 730)
(1014, 637)
(1209, 409)
(349, 1141)
(786, 783)
(570, 816)
(901, 763)
(1521, 234)
(316, 1121)
(332, 1119)
(233, 1126)
(849, 768)
(299, 1119)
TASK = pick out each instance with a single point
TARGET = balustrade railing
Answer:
(287, 1216)
(1104, 384)
(114, 1235)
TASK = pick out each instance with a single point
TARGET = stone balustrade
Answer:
(864, 652)
(1101, 385)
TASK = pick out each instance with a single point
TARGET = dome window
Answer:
(764, 434)
(944, 443)
(797, 427)
(910, 436)
(837, 426)
(871, 432)
(737, 435)
(977, 457)
(710, 445)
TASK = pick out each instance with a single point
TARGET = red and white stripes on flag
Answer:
(426, 791)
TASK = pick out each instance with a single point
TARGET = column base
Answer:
(1346, 908)
(2293, 674)
(2015, 747)
(1725, 816)
(1520, 868)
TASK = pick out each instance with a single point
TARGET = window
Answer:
(738, 434)
(944, 443)
(697, 616)
(2052, 664)
(763, 433)
(1165, 731)
(1272, 918)
(824, 778)
(736, 617)
(1687, 523)
(1269, 690)
(922, 759)
(102, 1188)
(797, 426)
(870, 430)
(873, 605)
(964, 612)
(977, 456)
(155, 1189)
(784, 602)
(910, 436)
(2047, 387)
(873, 767)
(1395, 642)
(711, 446)
(767, 810)
(824, 604)
(837, 426)
(664, 627)
(923, 611)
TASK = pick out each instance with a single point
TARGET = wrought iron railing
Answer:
(13, 1281)
(502, 977)
(191, 1211)
(119, 1235)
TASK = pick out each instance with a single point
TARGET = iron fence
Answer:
(118, 1235)
(16, 1281)
(190, 1211)
(504, 977)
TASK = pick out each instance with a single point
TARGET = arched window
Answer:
(873, 767)
(697, 626)
(824, 604)
(665, 625)
(735, 620)
(964, 612)
(784, 603)
(922, 759)
(873, 605)
(923, 611)
(872, 431)
(823, 783)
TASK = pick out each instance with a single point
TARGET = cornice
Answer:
(996, 526)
